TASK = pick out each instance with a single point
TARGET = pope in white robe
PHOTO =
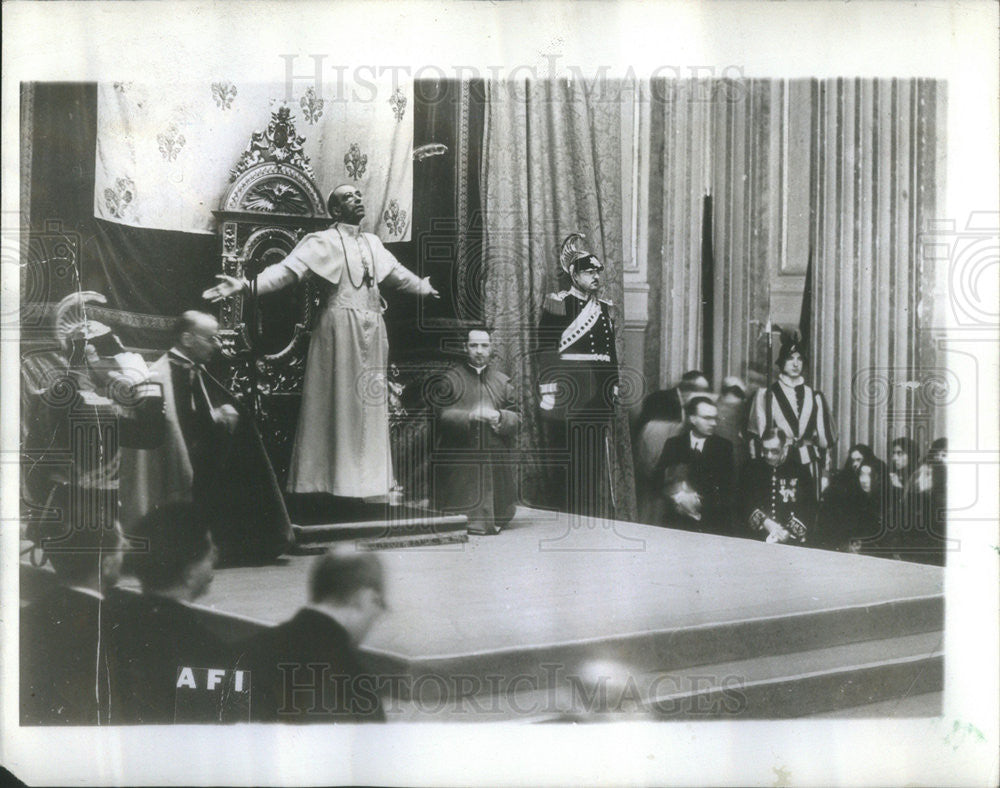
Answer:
(342, 440)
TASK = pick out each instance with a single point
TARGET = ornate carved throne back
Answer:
(271, 204)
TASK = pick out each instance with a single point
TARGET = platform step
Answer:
(386, 534)
(894, 677)
(688, 647)
(804, 683)
(930, 704)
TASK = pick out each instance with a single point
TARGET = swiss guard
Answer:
(578, 382)
(797, 409)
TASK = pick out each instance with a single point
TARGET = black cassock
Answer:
(578, 367)
(197, 459)
(474, 461)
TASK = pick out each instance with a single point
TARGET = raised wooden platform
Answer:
(678, 624)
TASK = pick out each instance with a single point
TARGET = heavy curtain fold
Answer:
(679, 136)
(721, 140)
(551, 166)
(875, 185)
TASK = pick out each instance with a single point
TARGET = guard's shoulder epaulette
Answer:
(606, 301)
(554, 303)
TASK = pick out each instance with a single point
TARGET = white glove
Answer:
(775, 533)
(227, 416)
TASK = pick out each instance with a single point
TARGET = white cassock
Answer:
(342, 440)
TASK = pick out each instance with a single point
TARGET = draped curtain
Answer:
(876, 179)
(719, 139)
(747, 164)
(679, 135)
(551, 165)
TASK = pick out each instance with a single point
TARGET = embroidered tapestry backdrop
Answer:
(165, 152)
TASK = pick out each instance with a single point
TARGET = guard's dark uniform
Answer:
(578, 379)
(780, 493)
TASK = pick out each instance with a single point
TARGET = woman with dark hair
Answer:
(902, 463)
(850, 512)
(870, 529)
(923, 537)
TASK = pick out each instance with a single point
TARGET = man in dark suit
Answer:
(210, 453)
(168, 666)
(659, 420)
(64, 678)
(308, 668)
(695, 472)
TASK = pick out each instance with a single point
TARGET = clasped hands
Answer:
(687, 501)
(776, 533)
(485, 415)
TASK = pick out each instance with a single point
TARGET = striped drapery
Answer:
(748, 185)
(875, 179)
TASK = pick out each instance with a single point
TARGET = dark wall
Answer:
(146, 271)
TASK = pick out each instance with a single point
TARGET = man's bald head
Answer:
(197, 335)
(345, 204)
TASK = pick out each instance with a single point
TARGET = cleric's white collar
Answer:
(354, 230)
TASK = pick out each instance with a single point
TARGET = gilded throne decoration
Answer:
(271, 204)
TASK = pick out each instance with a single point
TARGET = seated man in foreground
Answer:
(475, 431)
(777, 498)
(695, 473)
(63, 666)
(308, 669)
(166, 665)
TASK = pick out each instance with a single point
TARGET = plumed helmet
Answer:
(73, 327)
(574, 255)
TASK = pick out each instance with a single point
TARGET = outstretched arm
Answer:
(274, 277)
(402, 278)
(394, 274)
(226, 287)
